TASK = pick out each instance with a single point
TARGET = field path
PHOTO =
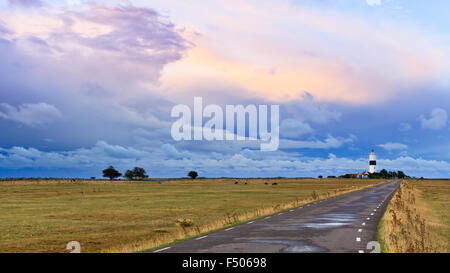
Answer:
(344, 223)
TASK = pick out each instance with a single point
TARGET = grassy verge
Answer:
(120, 216)
(416, 219)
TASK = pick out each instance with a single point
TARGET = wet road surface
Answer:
(344, 223)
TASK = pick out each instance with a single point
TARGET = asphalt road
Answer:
(345, 223)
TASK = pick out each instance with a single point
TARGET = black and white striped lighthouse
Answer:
(372, 162)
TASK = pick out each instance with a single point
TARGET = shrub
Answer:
(185, 222)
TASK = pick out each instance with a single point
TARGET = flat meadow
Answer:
(130, 216)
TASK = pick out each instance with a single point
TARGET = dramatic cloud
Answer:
(392, 146)
(437, 120)
(121, 48)
(112, 72)
(139, 34)
(30, 114)
(100, 65)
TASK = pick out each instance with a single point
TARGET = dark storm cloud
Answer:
(139, 34)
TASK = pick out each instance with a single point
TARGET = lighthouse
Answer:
(372, 162)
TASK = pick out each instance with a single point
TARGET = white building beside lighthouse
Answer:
(372, 162)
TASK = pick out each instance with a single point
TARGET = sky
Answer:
(89, 84)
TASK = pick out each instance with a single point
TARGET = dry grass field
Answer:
(122, 216)
(417, 218)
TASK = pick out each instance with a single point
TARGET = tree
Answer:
(401, 174)
(193, 174)
(111, 173)
(139, 173)
(136, 173)
(320, 176)
(129, 175)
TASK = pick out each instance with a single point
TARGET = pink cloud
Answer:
(277, 50)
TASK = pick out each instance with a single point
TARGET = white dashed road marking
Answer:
(203, 237)
(363, 224)
(162, 249)
(360, 230)
(360, 251)
(358, 239)
(229, 229)
(250, 222)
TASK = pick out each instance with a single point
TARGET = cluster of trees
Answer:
(388, 174)
(135, 173)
